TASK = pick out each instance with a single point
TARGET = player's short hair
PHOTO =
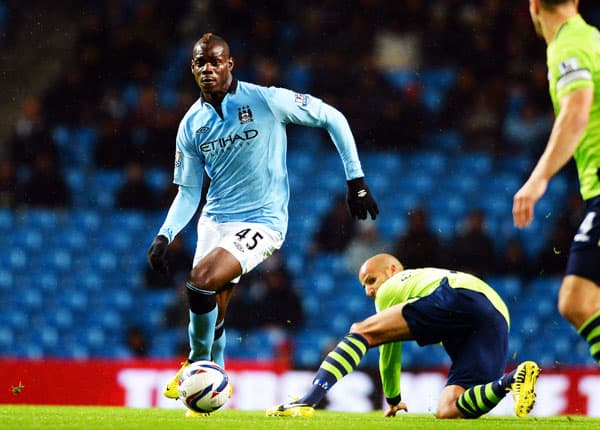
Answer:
(209, 38)
(551, 4)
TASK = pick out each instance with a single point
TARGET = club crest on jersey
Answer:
(301, 99)
(245, 114)
(178, 159)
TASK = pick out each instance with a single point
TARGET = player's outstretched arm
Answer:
(567, 131)
(181, 211)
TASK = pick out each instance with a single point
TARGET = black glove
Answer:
(157, 255)
(360, 200)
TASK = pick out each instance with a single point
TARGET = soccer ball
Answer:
(204, 386)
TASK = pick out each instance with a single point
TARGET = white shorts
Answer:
(249, 243)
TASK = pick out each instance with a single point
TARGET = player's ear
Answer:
(231, 63)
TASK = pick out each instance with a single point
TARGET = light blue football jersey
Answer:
(244, 152)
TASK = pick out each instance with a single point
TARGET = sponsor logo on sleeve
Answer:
(568, 66)
(570, 71)
(301, 99)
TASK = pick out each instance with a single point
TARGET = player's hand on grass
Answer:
(157, 255)
(360, 199)
(525, 199)
(393, 410)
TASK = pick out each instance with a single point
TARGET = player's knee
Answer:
(203, 278)
(564, 299)
(443, 414)
(356, 328)
(570, 304)
(447, 412)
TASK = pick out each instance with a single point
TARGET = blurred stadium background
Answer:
(447, 100)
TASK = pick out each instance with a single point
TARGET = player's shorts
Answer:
(472, 331)
(584, 256)
(249, 243)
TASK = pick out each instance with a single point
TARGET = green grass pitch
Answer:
(92, 418)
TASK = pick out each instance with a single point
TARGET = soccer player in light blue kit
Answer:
(236, 133)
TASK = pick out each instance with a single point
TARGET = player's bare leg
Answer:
(386, 326)
(578, 299)
(447, 404)
(208, 277)
(579, 303)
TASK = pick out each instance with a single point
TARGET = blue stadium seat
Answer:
(434, 356)
(440, 78)
(323, 283)
(517, 164)
(401, 78)
(89, 280)
(545, 286)
(399, 204)
(474, 163)
(545, 306)
(311, 347)
(462, 183)
(75, 300)
(330, 182)
(428, 163)
(158, 179)
(30, 350)
(331, 263)
(389, 164)
(311, 306)
(60, 318)
(77, 182)
(75, 239)
(432, 98)
(27, 298)
(7, 279)
(6, 220)
(47, 281)
(515, 346)
(131, 220)
(106, 261)
(257, 344)
(60, 260)
(504, 184)
(392, 225)
(507, 286)
(300, 163)
(106, 183)
(27, 238)
(85, 220)
(379, 183)
(6, 340)
(14, 319)
(105, 318)
(449, 141)
(39, 219)
(165, 344)
(558, 187)
(298, 76)
(494, 205)
(443, 225)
